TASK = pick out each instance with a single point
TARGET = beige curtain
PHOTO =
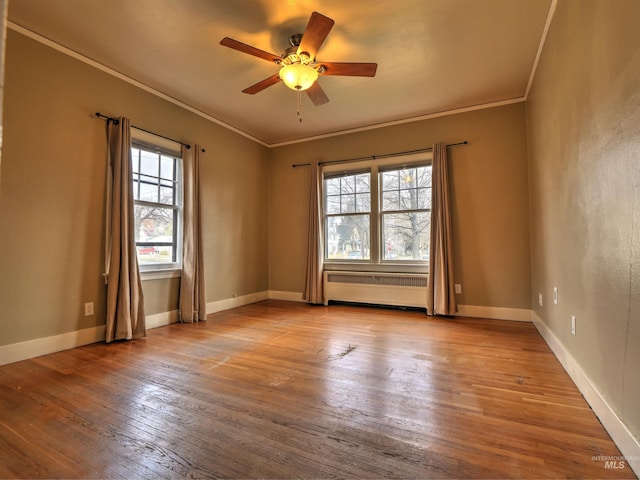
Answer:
(313, 291)
(440, 289)
(193, 306)
(125, 303)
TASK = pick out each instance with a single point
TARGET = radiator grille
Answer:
(377, 279)
(378, 288)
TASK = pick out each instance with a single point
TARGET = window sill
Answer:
(375, 267)
(159, 274)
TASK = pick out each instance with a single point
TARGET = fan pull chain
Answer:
(299, 112)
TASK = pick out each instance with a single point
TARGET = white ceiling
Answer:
(433, 55)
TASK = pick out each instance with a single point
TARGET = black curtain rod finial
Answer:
(108, 119)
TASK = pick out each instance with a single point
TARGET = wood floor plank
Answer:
(286, 390)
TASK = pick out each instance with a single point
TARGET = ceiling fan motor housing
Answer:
(295, 39)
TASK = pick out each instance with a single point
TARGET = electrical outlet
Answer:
(573, 324)
(88, 309)
(458, 288)
(555, 295)
(540, 299)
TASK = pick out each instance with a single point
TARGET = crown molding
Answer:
(543, 39)
(419, 118)
(121, 76)
(78, 56)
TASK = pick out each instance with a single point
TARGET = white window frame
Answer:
(375, 263)
(155, 144)
(358, 246)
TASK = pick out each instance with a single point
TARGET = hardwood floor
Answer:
(286, 390)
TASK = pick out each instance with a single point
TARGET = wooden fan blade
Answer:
(244, 48)
(258, 87)
(317, 95)
(349, 69)
(315, 33)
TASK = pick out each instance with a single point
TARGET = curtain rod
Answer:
(375, 157)
(116, 121)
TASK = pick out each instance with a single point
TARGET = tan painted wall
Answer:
(4, 6)
(490, 199)
(52, 190)
(584, 136)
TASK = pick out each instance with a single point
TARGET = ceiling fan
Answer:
(299, 68)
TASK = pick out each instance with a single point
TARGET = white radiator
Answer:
(399, 289)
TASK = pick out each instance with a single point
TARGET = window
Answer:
(157, 194)
(406, 213)
(348, 213)
(379, 213)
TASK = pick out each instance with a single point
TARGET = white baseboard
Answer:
(162, 319)
(229, 303)
(629, 446)
(495, 313)
(56, 343)
(288, 296)
(16, 352)
(44, 346)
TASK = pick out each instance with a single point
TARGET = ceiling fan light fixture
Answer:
(298, 68)
(298, 76)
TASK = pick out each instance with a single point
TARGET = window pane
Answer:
(154, 224)
(149, 163)
(348, 184)
(135, 161)
(154, 254)
(333, 204)
(408, 200)
(347, 237)
(348, 194)
(166, 167)
(332, 186)
(166, 195)
(424, 198)
(390, 180)
(424, 177)
(136, 187)
(348, 204)
(406, 189)
(406, 236)
(148, 190)
(408, 178)
(363, 202)
(362, 183)
(390, 200)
